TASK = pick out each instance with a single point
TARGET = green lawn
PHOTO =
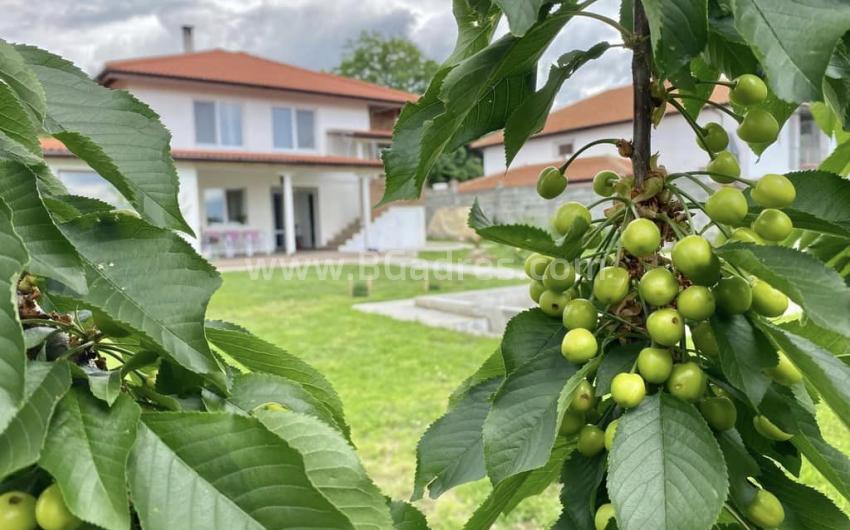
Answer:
(486, 253)
(393, 377)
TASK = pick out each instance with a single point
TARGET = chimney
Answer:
(188, 39)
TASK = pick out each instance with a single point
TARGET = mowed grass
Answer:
(393, 377)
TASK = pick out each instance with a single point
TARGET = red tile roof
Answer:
(583, 169)
(53, 147)
(242, 69)
(606, 108)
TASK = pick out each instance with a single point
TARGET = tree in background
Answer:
(397, 62)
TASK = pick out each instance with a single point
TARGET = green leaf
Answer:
(838, 161)
(521, 236)
(15, 122)
(117, 135)
(255, 354)
(822, 203)
(13, 259)
(15, 72)
(581, 477)
(493, 367)
(427, 128)
(805, 507)
(664, 457)
(105, 385)
(451, 452)
(252, 390)
(248, 477)
(87, 449)
(407, 517)
(66, 208)
(521, 15)
(793, 412)
(617, 358)
(530, 116)
(522, 425)
(822, 369)
(21, 442)
(527, 335)
(820, 291)
(700, 70)
(679, 30)
(744, 355)
(726, 50)
(476, 22)
(51, 254)
(793, 41)
(508, 494)
(332, 467)
(120, 252)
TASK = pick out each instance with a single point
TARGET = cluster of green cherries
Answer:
(22, 511)
(688, 288)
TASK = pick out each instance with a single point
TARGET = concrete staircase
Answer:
(343, 235)
(396, 228)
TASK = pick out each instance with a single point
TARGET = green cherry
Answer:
(17, 511)
(535, 289)
(687, 381)
(765, 510)
(551, 183)
(774, 191)
(611, 285)
(610, 433)
(658, 287)
(714, 137)
(572, 422)
(604, 182)
(724, 168)
(785, 373)
(559, 276)
(591, 441)
(572, 220)
(535, 266)
(773, 225)
(769, 430)
(704, 340)
(584, 397)
(603, 516)
(733, 295)
(719, 412)
(695, 303)
(580, 313)
(52, 513)
(655, 364)
(579, 346)
(768, 301)
(628, 390)
(694, 257)
(665, 326)
(728, 206)
(749, 90)
(641, 238)
(759, 127)
(553, 302)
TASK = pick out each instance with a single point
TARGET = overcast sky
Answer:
(308, 33)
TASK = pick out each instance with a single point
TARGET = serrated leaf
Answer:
(66, 208)
(407, 517)
(699, 69)
(51, 254)
(664, 456)
(805, 508)
(451, 452)
(838, 161)
(87, 449)
(679, 30)
(822, 203)
(493, 367)
(13, 259)
(530, 116)
(15, 72)
(332, 467)
(522, 425)
(117, 135)
(521, 236)
(255, 354)
(820, 291)
(120, 252)
(105, 385)
(252, 390)
(822, 369)
(744, 355)
(23, 439)
(581, 477)
(529, 334)
(521, 15)
(15, 122)
(793, 41)
(508, 494)
(261, 484)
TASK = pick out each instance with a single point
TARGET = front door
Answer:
(304, 200)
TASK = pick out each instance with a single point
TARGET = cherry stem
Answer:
(748, 182)
(730, 84)
(627, 35)
(585, 147)
(737, 117)
(700, 132)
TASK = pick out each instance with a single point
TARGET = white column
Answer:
(365, 210)
(190, 200)
(288, 213)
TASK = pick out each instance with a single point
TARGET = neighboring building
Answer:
(510, 194)
(270, 157)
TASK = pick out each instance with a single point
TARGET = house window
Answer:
(218, 123)
(565, 149)
(225, 206)
(811, 139)
(90, 184)
(293, 128)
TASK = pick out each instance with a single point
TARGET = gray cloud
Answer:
(307, 33)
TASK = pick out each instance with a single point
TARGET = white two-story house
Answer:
(270, 157)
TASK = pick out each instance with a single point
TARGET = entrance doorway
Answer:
(305, 205)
